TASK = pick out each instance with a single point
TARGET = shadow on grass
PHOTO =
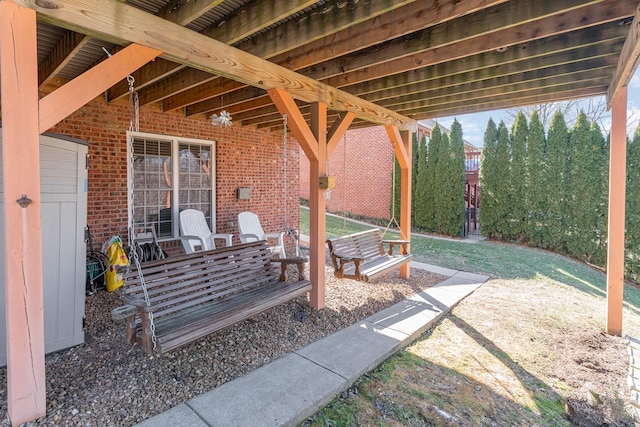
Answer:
(411, 390)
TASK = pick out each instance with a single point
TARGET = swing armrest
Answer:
(138, 303)
(284, 262)
(347, 258)
(403, 246)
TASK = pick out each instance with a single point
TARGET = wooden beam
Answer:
(401, 142)
(60, 55)
(182, 12)
(506, 102)
(335, 15)
(26, 394)
(430, 47)
(615, 235)
(551, 51)
(442, 93)
(73, 95)
(253, 18)
(201, 52)
(313, 141)
(507, 78)
(318, 207)
(337, 131)
(345, 37)
(628, 61)
(475, 92)
(533, 40)
(147, 75)
(286, 105)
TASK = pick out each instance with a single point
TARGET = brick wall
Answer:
(367, 182)
(245, 157)
(369, 172)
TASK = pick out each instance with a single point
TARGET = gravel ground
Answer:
(106, 382)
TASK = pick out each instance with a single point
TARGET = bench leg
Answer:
(147, 344)
(131, 329)
(356, 274)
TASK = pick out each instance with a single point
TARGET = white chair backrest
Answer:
(193, 223)
(248, 223)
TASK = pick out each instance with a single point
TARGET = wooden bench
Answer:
(361, 256)
(633, 380)
(194, 295)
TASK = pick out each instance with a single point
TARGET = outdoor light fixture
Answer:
(224, 119)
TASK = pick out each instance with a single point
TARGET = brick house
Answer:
(244, 157)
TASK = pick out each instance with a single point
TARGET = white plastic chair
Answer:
(251, 231)
(195, 232)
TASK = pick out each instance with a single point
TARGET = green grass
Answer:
(502, 260)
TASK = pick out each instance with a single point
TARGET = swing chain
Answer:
(134, 254)
(134, 125)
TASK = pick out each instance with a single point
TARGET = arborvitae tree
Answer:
(555, 184)
(441, 187)
(503, 183)
(536, 197)
(414, 174)
(420, 203)
(632, 209)
(518, 189)
(453, 208)
(488, 181)
(601, 190)
(583, 187)
(430, 191)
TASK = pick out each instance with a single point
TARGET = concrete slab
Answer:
(472, 276)
(355, 350)
(410, 317)
(445, 297)
(433, 268)
(178, 416)
(454, 281)
(283, 393)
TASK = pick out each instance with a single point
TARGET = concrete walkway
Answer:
(290, 389)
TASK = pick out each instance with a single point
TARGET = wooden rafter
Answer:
(476, 35)
(628, 61)
(201, 52)
(65, 50)
(344, 39)
(183, 12)
(73, 95)
(482, 83)
(320, 27)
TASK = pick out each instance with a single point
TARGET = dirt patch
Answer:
(515, 352)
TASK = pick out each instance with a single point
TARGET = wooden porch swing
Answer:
(362, 256)
(174, 301)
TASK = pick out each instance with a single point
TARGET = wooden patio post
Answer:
(26, 399)
(401, 142)
(617, 180)
(318, 205)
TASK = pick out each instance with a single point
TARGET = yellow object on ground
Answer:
(116, 256)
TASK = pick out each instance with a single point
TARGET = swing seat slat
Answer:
(196, 294)
(362, 256)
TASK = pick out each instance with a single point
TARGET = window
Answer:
(166, 169)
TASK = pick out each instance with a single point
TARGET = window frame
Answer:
(175, 178)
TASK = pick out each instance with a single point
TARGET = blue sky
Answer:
(474, 125)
